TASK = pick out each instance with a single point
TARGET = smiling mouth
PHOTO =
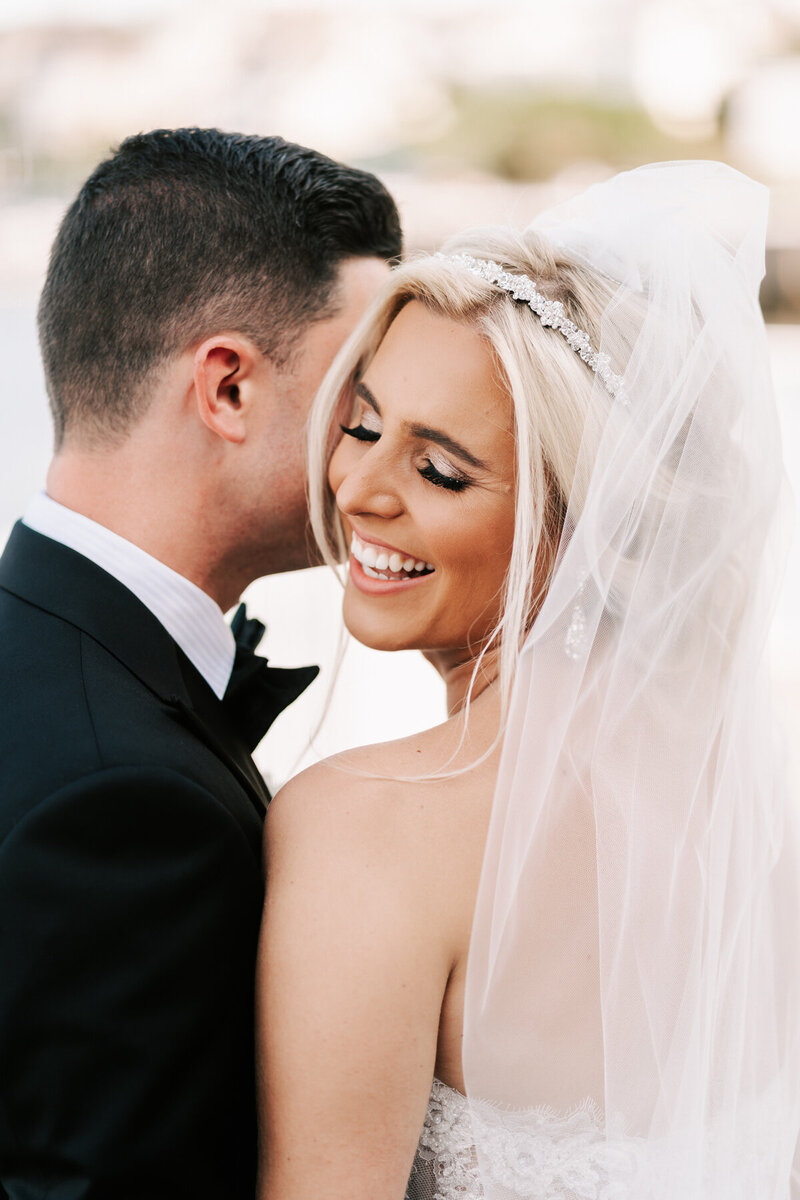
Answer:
(378, 562)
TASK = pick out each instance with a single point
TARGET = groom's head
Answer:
(214, 262)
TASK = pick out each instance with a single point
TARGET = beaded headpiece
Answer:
(550, 313)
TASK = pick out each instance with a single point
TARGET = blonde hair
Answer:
(551, 390)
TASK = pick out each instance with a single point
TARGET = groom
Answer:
(198, 289)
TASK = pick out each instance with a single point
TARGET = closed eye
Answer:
(361, 433)
(365, 431)
(453, 483)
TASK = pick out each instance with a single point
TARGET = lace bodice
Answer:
(445, 1165)
(539, 1155)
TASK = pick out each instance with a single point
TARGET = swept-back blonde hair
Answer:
(550, 388)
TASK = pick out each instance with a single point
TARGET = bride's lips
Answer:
(371, 559)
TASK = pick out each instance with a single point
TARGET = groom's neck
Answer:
(148, 497)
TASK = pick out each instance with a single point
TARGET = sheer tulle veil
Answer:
(634, 965)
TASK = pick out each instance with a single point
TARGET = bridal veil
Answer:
(633, 990)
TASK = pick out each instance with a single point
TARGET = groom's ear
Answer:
(227, 375)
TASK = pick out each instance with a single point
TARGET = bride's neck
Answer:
(457, 670)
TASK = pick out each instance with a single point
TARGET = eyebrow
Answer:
(426, 433)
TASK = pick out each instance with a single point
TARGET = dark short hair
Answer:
(185, 232)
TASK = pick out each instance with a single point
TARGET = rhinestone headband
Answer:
(550, 313)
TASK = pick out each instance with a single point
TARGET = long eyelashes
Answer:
(452, 483)
(361, 433)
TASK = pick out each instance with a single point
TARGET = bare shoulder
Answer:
(377, 809)
(332, 802)
(356, 796)
(387, 782)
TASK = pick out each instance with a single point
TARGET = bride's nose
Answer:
(367, 488)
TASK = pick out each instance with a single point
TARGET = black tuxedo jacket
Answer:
(130, 896)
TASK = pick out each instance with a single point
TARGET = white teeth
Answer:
(372, 573)
(375, 560)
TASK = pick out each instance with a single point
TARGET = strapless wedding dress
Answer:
(538, 1155)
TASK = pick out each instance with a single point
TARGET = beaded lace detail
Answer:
(446, 1164)
(538, 1154)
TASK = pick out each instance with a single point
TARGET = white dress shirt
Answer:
(187, 613)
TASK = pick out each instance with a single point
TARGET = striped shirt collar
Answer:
(189, 615)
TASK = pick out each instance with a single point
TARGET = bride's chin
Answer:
(377, 639)
(376, 631)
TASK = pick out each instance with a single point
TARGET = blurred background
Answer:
(471, 111)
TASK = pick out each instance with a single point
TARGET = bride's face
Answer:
(424, 481)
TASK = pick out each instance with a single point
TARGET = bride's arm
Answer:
(356, 949)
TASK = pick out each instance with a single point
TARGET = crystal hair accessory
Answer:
(550, 313)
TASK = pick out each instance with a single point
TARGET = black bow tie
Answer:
(258, 693)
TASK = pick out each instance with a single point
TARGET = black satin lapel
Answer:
(251, 781)
(57, 579)
(207, 717)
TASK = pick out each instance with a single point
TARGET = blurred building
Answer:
(481, 110)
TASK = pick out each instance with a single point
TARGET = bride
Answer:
(549, 948)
